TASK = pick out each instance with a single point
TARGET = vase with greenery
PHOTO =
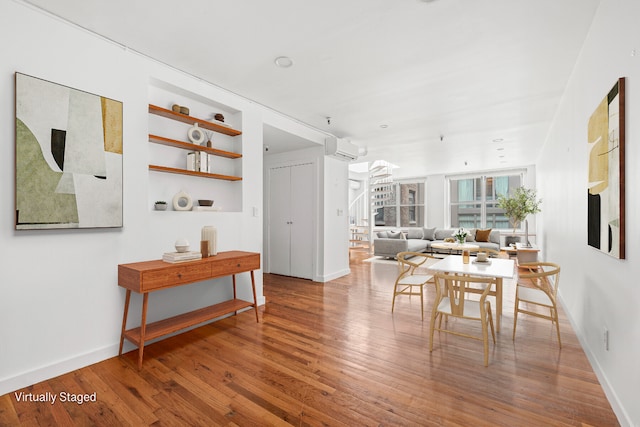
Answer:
(522, 202)
(460, 235)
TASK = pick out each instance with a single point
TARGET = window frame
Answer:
(395, 203)
(482, 201)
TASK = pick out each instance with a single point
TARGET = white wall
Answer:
(336, 218)
(598, 291)
(60, 306)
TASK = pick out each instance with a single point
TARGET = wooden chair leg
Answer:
(393, 301)
(555, 319)
(515, 317)
(493, 332)
(485, 341)
(434, 316)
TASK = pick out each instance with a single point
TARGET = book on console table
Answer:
(174, 257)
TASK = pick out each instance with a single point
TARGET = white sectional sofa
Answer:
(388, 243)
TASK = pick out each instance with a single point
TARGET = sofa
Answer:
(388, 243)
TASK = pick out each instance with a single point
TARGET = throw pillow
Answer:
(429, 233)
(483, 235)
(414, 233)
(395, 234)
(471, 235)
(382, 234)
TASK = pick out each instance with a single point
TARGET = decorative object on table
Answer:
(205, 202)
(465, 256)
(481, 257)
(449, 240)
(182, 245)
(174, 257)
(68, 157)
(182, 201)
(517, 206)
(204, 248)
(195, 134)
(184, 110)
(460, 235)
(606, 192)
(160, 205)
(210, 234)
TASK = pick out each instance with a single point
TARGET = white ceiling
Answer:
(448, 77)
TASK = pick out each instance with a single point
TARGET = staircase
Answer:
(363, 210)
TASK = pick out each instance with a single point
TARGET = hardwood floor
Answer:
(333, 354)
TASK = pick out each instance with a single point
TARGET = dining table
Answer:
(498, 268)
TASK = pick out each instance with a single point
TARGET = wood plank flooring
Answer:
(333, 354)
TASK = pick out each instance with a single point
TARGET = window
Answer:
(401, 206)
(473, 200)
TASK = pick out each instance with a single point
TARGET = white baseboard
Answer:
(25, 379)
(618, 409)
(332, 276)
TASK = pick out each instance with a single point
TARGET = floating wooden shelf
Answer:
(159, 111)
(194, 173)
(192, 147)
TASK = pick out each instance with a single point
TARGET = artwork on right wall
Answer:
(606, 210)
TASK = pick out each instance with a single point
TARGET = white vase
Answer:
(182, 201)
(210, 234)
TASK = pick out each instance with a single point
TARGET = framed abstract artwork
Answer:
(68, 157)
(606, 201)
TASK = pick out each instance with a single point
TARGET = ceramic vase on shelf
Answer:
(210, 235)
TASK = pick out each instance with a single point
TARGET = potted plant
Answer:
(161, 205)
(518, 205)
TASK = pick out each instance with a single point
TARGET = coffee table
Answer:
(456, 247)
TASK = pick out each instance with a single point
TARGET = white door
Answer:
(279, 219)
(291, 195)
(302, 192)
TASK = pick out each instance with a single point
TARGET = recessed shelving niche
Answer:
(169, 146)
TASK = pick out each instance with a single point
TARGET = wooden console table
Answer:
(148, 276)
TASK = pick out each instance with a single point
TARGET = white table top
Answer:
(497, 267)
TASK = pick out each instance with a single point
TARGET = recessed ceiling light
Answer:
(500, 148)
(283, 61)
(498, 140)
(384, 126)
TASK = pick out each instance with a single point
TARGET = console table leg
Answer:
(255, 300)
(124, 319)
(143, 327)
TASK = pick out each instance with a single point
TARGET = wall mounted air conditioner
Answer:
(340, 148)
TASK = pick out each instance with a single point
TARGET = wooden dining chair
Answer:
(538, 286)
(412, 276)
(452, 291)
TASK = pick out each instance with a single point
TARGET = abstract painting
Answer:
(68, 157)
(605, 205)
